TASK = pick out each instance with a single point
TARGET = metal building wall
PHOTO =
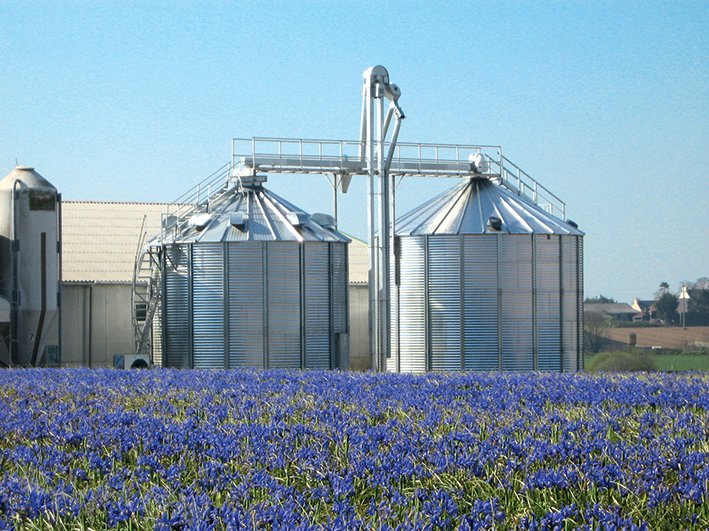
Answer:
(208, 306)
(488, 302)
(548, 301)
(177, 322)
(412, 306)
(481, 309)
(245, 295)
(256, 304)
(446, 301)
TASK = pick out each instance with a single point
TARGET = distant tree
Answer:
(698, 307)
(666, 307)
(601, 299)
(701, 283)
(664, 286)
(595, 326)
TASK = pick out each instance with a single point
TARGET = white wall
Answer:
(359, 327)
(96, 324)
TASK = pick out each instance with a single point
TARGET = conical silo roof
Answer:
(467, 207)
(257, 214)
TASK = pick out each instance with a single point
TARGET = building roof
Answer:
(100, 240)
(467, 207)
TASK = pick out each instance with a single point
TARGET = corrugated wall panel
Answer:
(412, 304)
(516, 284)
(392, 362)
(444, 302)
(208, 306)
(246, 304)
(156, 330)
(548, 307)
(317, 305)
(480, 288)
(340, 304)
(570, 301)
(284, 304)
(177, 307)
(339, 288)
(579, 328)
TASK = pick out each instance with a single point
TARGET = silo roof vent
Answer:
(324, 220)
(239, 219)
(494, 223)
(200, 221)
(297, 218)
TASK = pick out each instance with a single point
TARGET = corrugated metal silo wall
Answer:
(487, 302)
(246, 303)
(177, 323)
(256, 304)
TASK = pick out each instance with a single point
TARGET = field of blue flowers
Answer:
(171, 449)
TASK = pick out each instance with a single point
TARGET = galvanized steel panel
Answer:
(177, 323)
(444, 302)
(516, 297)
(246, 297)
(548, 302)
(579, 328)
(284, 305)
(208, 306)
(412, 304)
(481, 303)
(392, 362)
(317, 305)
(340, 270)
(465, 209)
(570, 302)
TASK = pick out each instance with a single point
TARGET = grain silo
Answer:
(486, 280)
(254, 281)
(29, 265)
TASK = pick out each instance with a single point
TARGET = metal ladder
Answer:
(146, 293)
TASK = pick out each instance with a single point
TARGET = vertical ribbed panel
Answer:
(208, 305)
(444, 301)
(177, 307)
(412, 304)
(392, 362)
(579, 328)
(340, 305)
(246, 303)
(284, 305)
(516, 284)
(339, 287)
(570, 301)
(548, 307)
(156, 327)
(157, 337)
(317, 305)
(480, 294)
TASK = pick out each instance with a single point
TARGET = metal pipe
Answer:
(369, 147)
(384, 244)
(16, 298)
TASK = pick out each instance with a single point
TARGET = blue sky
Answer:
(605, 103)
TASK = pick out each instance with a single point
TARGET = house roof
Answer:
(100, 240)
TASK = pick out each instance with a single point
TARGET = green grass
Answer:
(682, 362)
(646, 361)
